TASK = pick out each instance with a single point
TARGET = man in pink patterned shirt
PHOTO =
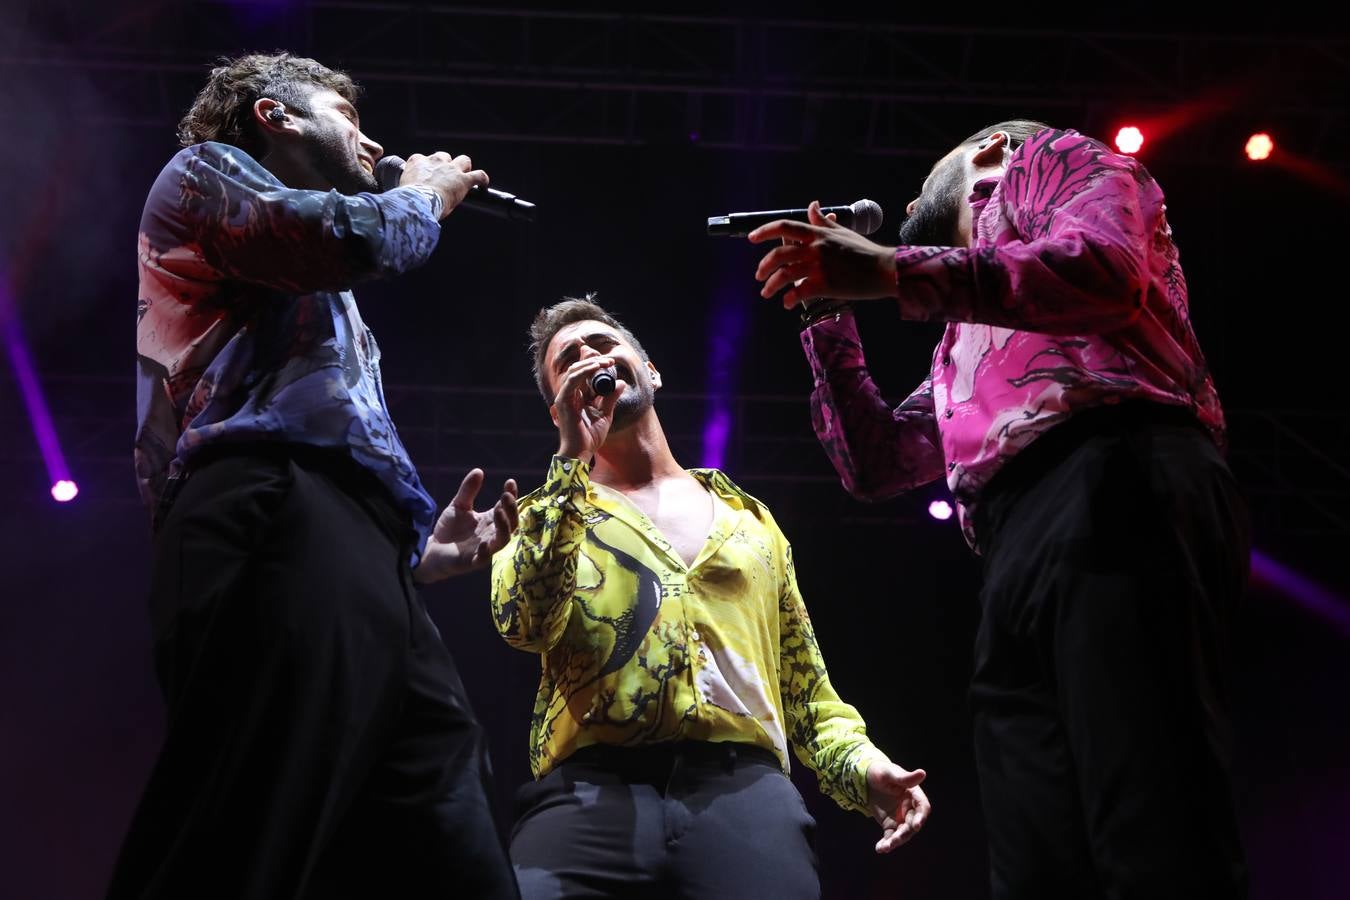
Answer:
(1071, 411)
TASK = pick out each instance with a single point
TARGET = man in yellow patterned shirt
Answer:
(679, 663)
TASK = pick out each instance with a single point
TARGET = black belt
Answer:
(660, 757)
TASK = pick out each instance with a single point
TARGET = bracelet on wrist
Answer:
(823, 309)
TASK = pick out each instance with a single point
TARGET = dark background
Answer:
(628, 127)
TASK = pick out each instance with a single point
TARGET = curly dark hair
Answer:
(552, 319)
(223, 110)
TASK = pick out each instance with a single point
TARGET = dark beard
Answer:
(332, 158)
(637, 399)
(935, 217)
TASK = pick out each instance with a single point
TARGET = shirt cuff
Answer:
(416, 193)
(437, 204)
(832, 345)
(567, 482)
(857, 774)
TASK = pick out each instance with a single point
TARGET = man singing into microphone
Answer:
(1071, 411)
(679, 663)
(319, 742)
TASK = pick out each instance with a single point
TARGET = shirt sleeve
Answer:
(878, 451)
(1082, 222)
(215, 214)
(826, 734)
(534, 577)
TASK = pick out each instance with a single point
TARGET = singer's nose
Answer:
(374, 149)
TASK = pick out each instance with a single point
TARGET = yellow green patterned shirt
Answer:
(638, 648)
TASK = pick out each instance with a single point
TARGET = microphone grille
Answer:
(867, 216)
(388, 171)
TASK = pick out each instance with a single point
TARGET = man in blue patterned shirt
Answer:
(319, 741)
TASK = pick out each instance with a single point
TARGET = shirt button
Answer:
(947, 414)
(693, 635)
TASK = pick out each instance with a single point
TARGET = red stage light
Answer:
(1129, 139)
(1260, 146)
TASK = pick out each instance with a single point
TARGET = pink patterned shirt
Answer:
(1070, 297)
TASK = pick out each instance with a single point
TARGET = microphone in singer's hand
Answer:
(604, 381)
(863, 217)
(389, 170)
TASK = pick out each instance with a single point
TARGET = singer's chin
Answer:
(357, 179)
(632, 404)
(367, 182)
(928, 227)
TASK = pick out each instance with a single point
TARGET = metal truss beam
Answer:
(719, 82)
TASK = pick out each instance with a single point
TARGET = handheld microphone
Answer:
(863, 217)
(604, 381)
(389, 170)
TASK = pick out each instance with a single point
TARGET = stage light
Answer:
(1260, 146)
(940, 510)
(716, 431)
(727, 339)
(1129, 139)
(39, 416)
(1327, 605)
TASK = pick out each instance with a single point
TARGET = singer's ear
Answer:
(990, 151)
(656, 376)
(272, 117)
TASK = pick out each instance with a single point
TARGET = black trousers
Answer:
(1115, 561)
(688, 820)
(318, 741)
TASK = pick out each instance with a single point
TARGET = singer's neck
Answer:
(293, 173)
(636, 457)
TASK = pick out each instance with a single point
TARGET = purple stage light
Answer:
(38, 415)
(715, 432)
(730, 322)
(1321, 602)
(64, 491)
